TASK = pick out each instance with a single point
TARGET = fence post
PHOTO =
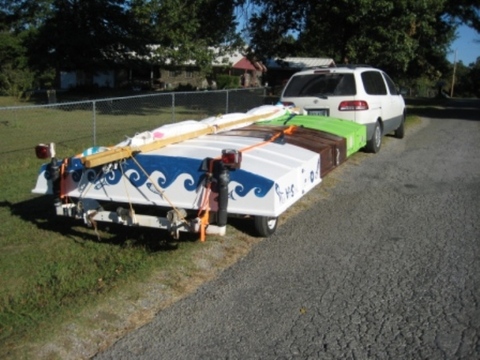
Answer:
(173, 107)
(94, 108)
(227, 92)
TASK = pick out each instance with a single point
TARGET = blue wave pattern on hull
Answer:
(171, 168)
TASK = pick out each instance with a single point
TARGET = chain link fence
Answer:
(74, 126)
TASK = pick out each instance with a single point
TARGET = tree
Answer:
(464, 11)
(474, 78)
(15, 75)
(96, 35)
(273, 24)
(188, 31)
(466, 80)
(401, 36)
(83, 35)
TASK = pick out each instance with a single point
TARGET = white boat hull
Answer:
(272, 177)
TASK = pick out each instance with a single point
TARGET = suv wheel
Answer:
(374, 144)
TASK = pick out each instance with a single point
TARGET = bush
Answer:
(185, 87)
(14, 82)
(227, 81)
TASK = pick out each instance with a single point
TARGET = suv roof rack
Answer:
(348, 66)
(354, 66)
(319, 67)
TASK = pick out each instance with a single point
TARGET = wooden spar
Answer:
(123, 152)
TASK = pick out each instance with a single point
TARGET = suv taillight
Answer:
(353, 105)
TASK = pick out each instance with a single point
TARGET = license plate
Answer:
(318, 112)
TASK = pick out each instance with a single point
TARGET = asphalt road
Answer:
(387, 267)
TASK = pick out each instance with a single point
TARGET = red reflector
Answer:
(42, 151)
(232, 158)
(353, 105)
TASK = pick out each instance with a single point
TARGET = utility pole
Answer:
(453, 76)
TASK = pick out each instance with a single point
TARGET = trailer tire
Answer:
(265, 226)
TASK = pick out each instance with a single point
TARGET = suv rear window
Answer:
(319, 85)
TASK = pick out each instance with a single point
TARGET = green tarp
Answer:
(355, 134)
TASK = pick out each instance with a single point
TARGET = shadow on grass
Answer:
(243, 225)
(461, 109)
(41, 212)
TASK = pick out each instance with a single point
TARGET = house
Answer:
(249, 72)
(149, 75)
(71, 79)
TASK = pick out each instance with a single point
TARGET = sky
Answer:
(467, 49)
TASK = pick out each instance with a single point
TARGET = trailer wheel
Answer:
(265, 225)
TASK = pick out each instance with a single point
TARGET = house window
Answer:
(175, 73)
(188, 74)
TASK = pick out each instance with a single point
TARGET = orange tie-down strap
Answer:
(62, 178)
(204, 210)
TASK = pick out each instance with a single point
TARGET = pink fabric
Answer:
(158, 135)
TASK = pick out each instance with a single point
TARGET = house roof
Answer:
(298, 62)
(234, 60)
(244, 64)
(239, 61)
(227, 59)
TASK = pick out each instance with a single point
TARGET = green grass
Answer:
(49, 265)
(52, 268)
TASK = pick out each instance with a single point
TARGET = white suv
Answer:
(357, 93)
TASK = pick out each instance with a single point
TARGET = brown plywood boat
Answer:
(331, 148)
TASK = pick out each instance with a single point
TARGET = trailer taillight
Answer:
(44, 151)
(231, 158)
(353, 105)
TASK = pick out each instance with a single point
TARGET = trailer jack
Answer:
(176, 217)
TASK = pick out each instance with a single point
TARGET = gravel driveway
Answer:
(387, 267)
